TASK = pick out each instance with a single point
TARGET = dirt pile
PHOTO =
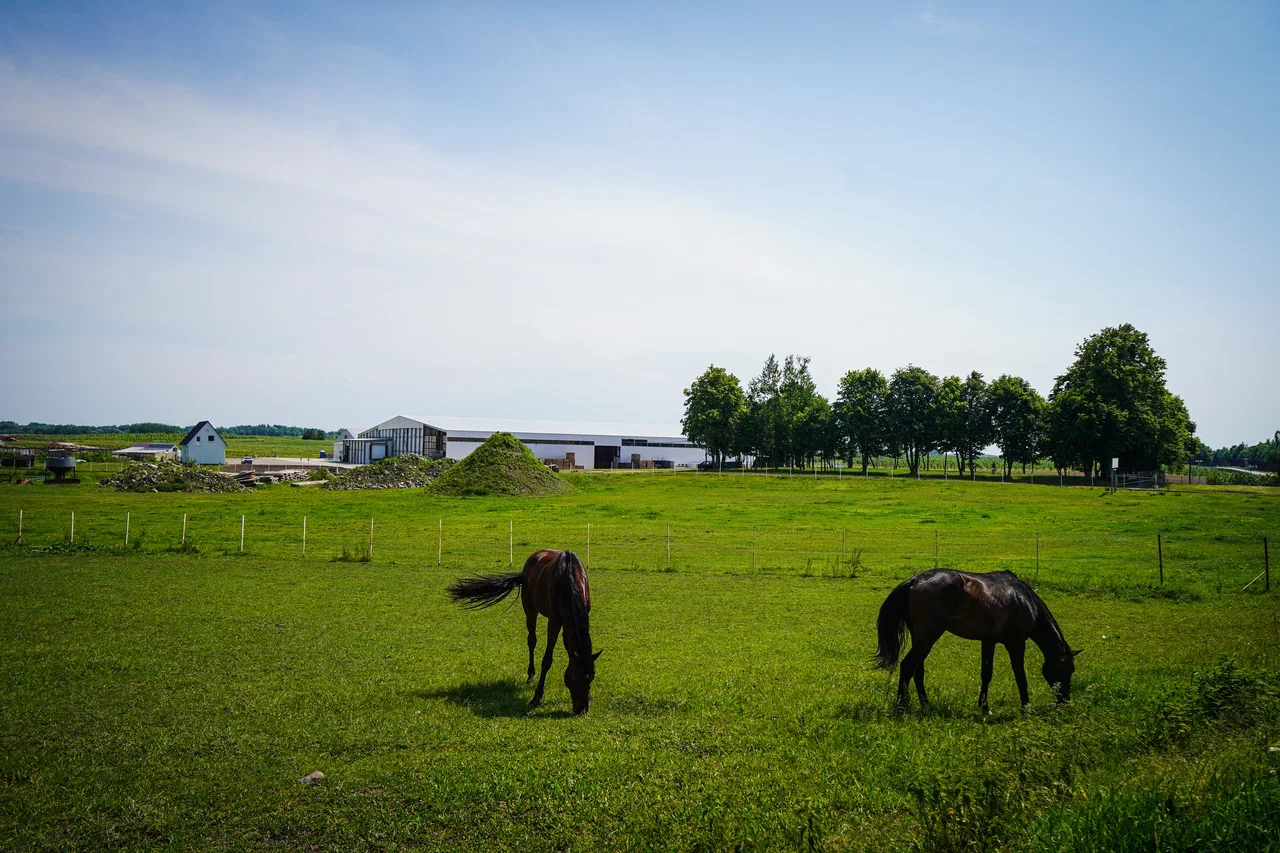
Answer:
(170, 477)
(398, 472)
(500, 466)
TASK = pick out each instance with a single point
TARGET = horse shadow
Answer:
(491, 699)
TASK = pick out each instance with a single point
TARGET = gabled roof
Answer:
(538, 427)
(195, 429)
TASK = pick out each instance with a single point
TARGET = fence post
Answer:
(184, 528)
(511, 543)
(1037, 558)
(73, 526)
(19, 526)
(242, 534)
(371, 540)
(1160, 556)
(753, 549)
(935, 549)
(668, 547)
(304, 537)
(588, 545)
(126, 527)
(1266, 564)
(843, 531)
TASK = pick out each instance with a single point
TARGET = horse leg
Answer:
(923, 650)
(905, 671)
(1017, 651)
(988, 663)
(531, 622)
(553, 631)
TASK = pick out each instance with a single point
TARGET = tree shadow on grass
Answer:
(494, 698)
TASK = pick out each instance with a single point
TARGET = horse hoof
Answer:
(535, 701)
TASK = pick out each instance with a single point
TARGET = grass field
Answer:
(237, 445)
(153, 697)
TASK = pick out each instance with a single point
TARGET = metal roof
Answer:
(514, 425)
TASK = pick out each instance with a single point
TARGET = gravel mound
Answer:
(170, 477)
(500, 466)
(398, 472)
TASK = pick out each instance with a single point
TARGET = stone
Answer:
(311, 778)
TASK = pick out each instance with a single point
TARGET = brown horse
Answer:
(996, 607)
(553, 583)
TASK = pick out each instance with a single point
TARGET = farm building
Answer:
(590, 445)
(203, 446)
(153, 452)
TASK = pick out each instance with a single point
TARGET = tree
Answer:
(713, 407)
(311, 434)
(861, 415)
(912, 395)
(951, 416)
(804, 412)
(1112, 402)
(763, 421)
(1017, 419)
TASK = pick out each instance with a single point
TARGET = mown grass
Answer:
(153, 698)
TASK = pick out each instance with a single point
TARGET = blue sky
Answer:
(326, 214)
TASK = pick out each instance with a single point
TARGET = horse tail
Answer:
(479, 592)
(891, 625)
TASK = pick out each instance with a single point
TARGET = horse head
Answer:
(1058, 670)
(578, 677)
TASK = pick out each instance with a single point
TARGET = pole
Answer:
(440, 542)
(668, 547)
(935, 549)
(184, 528)
(588, 545)
(511, 543)
(73, 525)
(1160, 556)
(371, 539)
(126, 527)
(1037, 558)
(242, 534)
(1266, 563)
(843, 531)
(304, 537)
(19, 527)
(753, 549)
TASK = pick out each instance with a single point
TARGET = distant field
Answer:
(237, 445)
(153, 698)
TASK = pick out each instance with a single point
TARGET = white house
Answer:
(203, 446)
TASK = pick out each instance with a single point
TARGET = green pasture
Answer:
(154, 697)
(237, 445)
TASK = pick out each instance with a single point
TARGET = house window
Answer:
(210, 438)
(197, 438)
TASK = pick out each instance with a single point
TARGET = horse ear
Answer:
(1075, 652)
(597, 654)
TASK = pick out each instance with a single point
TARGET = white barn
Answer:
(593, 445)
(203, 446)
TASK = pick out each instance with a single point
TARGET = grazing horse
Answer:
(553, 583)
(996, 607)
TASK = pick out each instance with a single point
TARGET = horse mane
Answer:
(578, 625)
(1045, 620)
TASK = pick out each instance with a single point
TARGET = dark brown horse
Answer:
(996, 607)
(553, 583)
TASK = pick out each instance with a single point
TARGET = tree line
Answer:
(153, 428)
(1263, 456)
(1111, 402)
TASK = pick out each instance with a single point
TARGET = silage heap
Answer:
(500, 466)
(398, 472)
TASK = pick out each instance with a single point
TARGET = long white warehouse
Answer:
(593, 445)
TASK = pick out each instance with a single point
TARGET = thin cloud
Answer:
(943, 24)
